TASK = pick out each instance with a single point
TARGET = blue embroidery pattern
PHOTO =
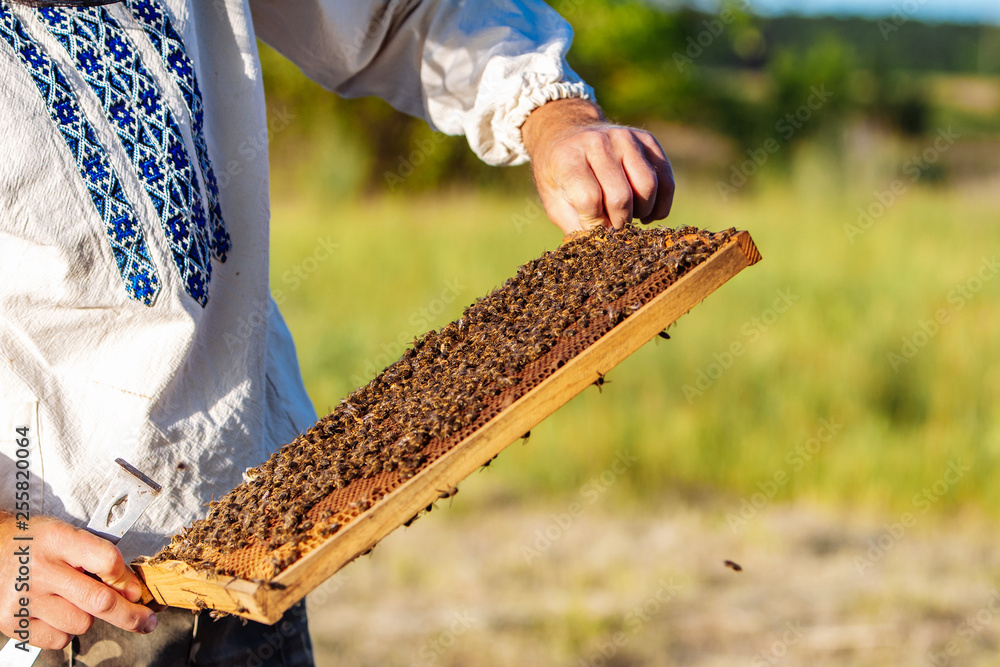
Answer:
(147, 129)
(128, 245)
(167, 41)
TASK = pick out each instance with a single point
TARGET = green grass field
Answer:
(866, 359)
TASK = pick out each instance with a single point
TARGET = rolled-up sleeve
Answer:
(472, 68)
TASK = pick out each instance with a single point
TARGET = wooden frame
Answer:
(177, 584)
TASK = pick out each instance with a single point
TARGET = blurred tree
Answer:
(731, 73)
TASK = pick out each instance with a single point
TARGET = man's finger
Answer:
(664, 193)
(644, 182)
(61, 614)
(664, 199)
(615, 188)
(45, 636)
(582, 193)
(103, 602)
(561, 212)
(101, 558)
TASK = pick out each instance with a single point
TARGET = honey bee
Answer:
(329, 529)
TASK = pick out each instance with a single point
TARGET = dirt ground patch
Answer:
(587, 586)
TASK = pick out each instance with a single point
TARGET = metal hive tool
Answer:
(281, 556)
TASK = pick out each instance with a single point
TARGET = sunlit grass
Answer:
(402, 266)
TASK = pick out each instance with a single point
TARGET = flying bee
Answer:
(600, 382)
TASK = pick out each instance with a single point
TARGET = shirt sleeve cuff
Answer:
(507, 129)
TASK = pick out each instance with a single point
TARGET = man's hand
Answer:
(63, 601)
(590, 172)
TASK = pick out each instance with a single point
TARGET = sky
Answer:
(963, 11)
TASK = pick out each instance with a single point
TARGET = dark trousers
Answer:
(184, 639)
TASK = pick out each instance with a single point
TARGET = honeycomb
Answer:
(447, 385)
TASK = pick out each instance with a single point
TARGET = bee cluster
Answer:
(445, 386)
